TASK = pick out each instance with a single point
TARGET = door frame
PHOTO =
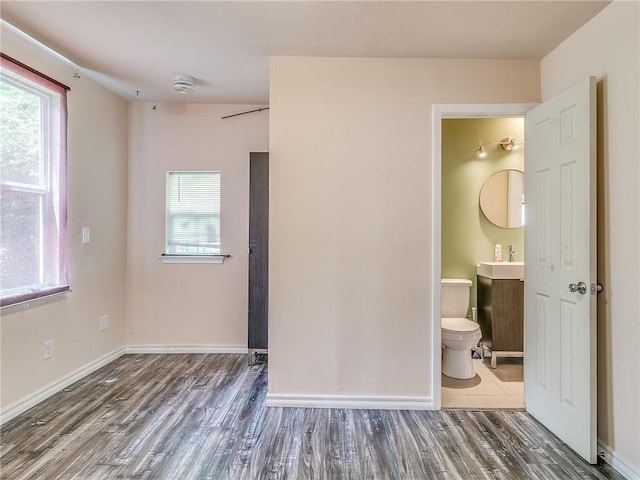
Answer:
(441, 112)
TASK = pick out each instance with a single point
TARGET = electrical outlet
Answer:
(86, 235)
(48, 349)
(104, 322)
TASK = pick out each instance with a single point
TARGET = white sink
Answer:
(501, 270)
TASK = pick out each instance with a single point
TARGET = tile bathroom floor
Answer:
(502, 387)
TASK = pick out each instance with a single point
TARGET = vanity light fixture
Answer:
(507, 143)
(183, 84)
(510, 143)
(481, 152)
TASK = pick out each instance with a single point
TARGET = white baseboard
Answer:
(32, 400)
(186, 349)
(621, 467)
(350, 401)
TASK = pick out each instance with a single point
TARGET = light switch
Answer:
(86, 234)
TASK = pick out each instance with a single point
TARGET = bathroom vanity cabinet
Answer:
(501, 316)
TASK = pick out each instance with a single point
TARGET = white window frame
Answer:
(172, 253)
(50, 188)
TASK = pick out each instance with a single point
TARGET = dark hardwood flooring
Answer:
(204, 417)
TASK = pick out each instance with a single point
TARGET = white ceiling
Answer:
(225, 45)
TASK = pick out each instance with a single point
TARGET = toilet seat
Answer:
(459, 325)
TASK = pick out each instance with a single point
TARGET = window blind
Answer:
(193, 213)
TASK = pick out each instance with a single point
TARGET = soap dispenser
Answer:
(497, 254)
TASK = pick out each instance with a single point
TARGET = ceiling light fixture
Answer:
(183, 84)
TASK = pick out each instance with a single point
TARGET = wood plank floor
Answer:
(204, 417)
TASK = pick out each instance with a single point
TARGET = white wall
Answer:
(97, 198)
(189, 305)
(351, 228)
(609, 47)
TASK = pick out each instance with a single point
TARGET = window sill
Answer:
(193, 258)
(35, 298)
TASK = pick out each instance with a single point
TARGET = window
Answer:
(193, 213)
(33, 214)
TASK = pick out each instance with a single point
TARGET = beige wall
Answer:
(351, 221)
(468, 238)
(188, 305)
(608, 47)
(351, 224)
(97, 198)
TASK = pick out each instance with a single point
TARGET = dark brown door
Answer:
(258, 250)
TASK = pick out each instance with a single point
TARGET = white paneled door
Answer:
(560, 266)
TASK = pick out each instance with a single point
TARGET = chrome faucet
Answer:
(512, 252)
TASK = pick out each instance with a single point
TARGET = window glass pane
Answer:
(193, 213)
(32, 184)
(20, 135)
(20, 239)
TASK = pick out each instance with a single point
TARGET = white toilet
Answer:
(459, 334)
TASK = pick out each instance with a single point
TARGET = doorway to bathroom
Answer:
(482, 241)
(561, 259)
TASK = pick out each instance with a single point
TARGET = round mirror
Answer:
(502, 199)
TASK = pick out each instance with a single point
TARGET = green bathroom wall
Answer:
(468, 238)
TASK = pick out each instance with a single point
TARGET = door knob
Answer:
(581, 288)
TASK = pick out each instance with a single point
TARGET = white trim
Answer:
(39, 44)
(35, 302)
(192, 258)
(186, 349)
(119, 88)
(33, 399)
(482, 110)
(436, 255)
(440, 112)
(350, 401)
(619, 466)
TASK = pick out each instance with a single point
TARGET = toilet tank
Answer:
(454, 297)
